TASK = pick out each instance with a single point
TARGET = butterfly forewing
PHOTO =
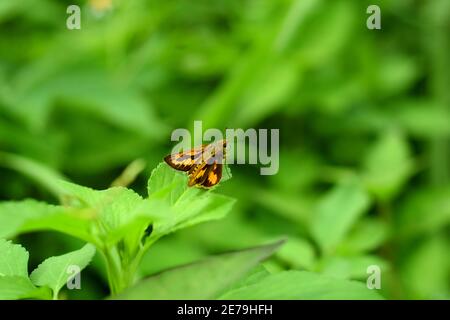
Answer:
(185, 161)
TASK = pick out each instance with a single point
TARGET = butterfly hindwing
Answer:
(198, 174)
(213, 175)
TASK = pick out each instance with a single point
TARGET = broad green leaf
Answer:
(217, 107)
(273, 266)
(302, 285)
(309, 169)
(206, 208)
(14, 281)
(14, 259)
(254, 276)
(134, 230)
(77, 223)
(216, 234)
(164, 179)
(206, 279)
(14, 214)
(271, 87)
(29, 215)
(122, 212)
(91, 91)
(397, 73)
(422, 118)
(337, 212)
(295, 207)
(171, 252)
(114, 206)
(366, 235)
(168, 184)
(352, 267)
(189, 205)
(424, 211)
(53, 272)
(39, 172)
(424, 270)
(388, 165)
(296, 17)
(297, 253)
(333, 23)
(91, 156)
(18, 287)
(42, 149)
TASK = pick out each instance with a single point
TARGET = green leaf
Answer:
(41, 173)
(121, 212)
(424, 271)
(92, 91)
(388, 165)
(14, 259)
(29, 215)
(170, 253)
(14, 281)
(397, 73)
(17, 287)
(294, 22)
(271, 87)
(337, 212)
(423, 118)
(297, 253)
(424, 211)
(206, 279)
(254, 276)
(302, 285)
(353, 267)
(295, 207)
(216, 234)
(53, 271)
(333, 23)
(115, 206)
(367, 234)
(188, 205)
(168, 184)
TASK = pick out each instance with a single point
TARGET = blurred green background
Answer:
(364, 119)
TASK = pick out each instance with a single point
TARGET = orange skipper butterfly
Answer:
(203, 164)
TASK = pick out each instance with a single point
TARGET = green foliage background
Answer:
(364, 119)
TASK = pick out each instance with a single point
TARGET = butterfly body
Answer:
(202, 164)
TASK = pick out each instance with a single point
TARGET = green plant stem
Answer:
(121, 273)
(389, 250)
(113, 272)
(438, 45)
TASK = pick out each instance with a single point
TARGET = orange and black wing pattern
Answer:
(202, 164)
(184, 161)
(213, 175)
(198, 174)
